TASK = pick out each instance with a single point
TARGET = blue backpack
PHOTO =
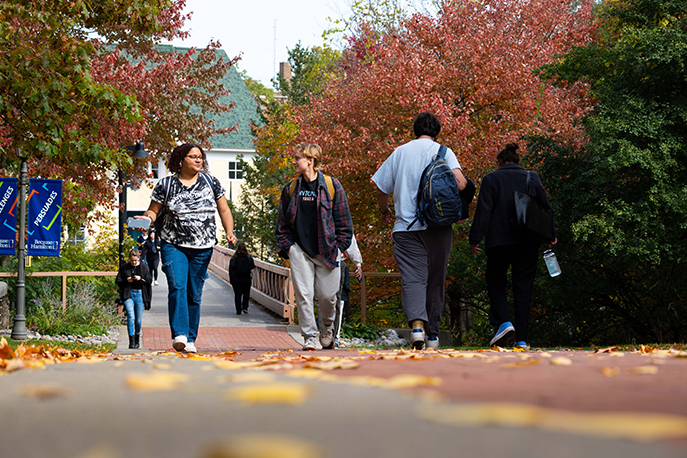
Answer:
(438, 196)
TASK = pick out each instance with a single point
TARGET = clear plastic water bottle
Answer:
(552, 263)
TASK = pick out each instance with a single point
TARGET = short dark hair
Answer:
(509, 154)
(178, 155)
(426, 123)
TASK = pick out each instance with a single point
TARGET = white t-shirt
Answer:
(400, 175)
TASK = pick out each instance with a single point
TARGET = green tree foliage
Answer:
(621, 201)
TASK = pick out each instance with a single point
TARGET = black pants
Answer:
(152, 265)
(522, 257)
(241, 295)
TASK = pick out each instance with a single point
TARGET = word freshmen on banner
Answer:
(8, 216)
(44, 227)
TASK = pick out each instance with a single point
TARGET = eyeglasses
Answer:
(195, 158)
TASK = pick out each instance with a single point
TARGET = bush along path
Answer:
(111, 337)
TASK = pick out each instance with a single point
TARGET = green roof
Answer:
(244, 112)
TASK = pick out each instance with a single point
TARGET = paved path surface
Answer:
(251, 388)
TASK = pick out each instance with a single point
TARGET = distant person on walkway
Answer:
(141, 240)
(314, 227)
(186, 202)
(151, 248)
(421, 252)
(342, 305)
(493, 219)
(241, 277)
(135, 292)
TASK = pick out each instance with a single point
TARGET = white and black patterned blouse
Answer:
(189, 214)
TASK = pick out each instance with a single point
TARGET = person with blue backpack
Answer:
(425, 179)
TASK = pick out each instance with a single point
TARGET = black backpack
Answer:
(438, 196)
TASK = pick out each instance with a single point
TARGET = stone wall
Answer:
(4, 306)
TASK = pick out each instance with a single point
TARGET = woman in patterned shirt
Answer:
(186, 202)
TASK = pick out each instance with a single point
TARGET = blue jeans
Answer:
(134, 312)
(186, 270)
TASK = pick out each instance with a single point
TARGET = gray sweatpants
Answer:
(311, 276)
(422, 258)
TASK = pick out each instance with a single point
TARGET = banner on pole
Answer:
(44, 227)
(8, 216)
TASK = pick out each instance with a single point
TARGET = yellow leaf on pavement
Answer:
(339, 363)
(44, 391)
(642, 370)
(272, 393)
(631, 426)
(162, 366)
(530, 362)
(410, 381)
(561, 361)
(264, 446)
(155, 381)
(610, 372)
(89, 360)
(14, 365)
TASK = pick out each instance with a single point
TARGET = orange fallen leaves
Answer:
(606, 350)
(36, 357)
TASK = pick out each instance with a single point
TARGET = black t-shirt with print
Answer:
(306, 217)
(189, 214)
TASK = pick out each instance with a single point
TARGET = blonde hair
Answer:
(134, 253)
(310, 151)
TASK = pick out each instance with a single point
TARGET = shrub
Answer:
(85, 314)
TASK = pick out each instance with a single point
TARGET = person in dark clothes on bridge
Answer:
(241, 277)
(151, 248)
(492, 222)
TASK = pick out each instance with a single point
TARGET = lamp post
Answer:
(138, 152)
(19, 326)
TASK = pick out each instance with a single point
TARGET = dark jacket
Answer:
(240, 268)
(495, 210)
(335, 228)
(126, 271)
(148, 249)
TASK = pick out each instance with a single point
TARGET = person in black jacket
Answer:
(152, 254)
(493, 221)
(240, 276)
(135, 292)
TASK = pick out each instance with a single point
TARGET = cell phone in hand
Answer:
(136, 223)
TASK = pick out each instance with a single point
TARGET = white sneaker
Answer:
(432, 342)
(417, 335)
(156, 283)
(309, 344)
(191, 348)
(180, 343)
(327, 338)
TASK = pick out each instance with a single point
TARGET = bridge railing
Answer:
(272, 287)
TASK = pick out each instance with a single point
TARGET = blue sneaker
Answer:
(433, 342)
(505, 332)
(522, 344)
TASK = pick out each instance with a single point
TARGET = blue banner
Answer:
(8, 216)
(44, 227)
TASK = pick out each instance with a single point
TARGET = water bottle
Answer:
(552, 263)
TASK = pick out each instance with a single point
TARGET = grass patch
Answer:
(66, 345)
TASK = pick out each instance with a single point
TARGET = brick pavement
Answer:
(221, 339)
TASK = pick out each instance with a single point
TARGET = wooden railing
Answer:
(272, 286)
(64, 276)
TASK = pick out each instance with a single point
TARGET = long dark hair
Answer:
(240, 249)
(178, 155)
(509, 154)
